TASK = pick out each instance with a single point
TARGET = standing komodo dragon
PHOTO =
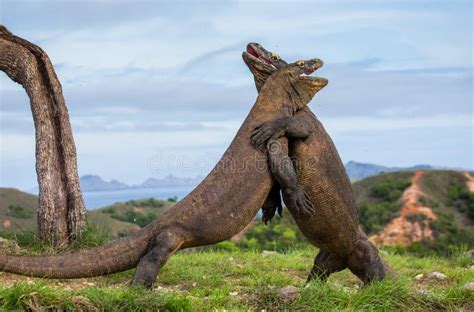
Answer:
(320, 172)
(217, 209)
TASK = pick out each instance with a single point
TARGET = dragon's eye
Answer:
(300, 63)
(275, 57)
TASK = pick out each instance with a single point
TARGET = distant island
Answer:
(355, 170)
(91, 183)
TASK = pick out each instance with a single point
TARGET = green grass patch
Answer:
(251, 280)
(27, 241)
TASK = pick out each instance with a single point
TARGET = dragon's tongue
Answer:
(251, 51)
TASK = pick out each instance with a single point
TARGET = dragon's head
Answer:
(263, 63)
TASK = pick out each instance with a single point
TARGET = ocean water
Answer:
(98, 199)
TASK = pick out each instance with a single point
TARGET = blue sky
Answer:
(160, 87)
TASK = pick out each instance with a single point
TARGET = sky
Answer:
(160, 87)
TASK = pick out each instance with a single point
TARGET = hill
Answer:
(96, 183)
(418, 210)
(18, 214)
(17, 210)
(357, 170)
(421, 211)
(130, 215)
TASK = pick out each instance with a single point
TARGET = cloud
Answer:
(155, 101)
(383, 123)
(148, 75)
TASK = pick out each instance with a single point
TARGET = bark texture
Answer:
(61, 213)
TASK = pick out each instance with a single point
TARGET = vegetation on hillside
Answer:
(377, 198)
(139, 212)
(279, 235)
(447, 195)
(17, 210)
(462, 199)
(20, 212)
(385, 194)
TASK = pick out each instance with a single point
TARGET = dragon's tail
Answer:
(110, 258)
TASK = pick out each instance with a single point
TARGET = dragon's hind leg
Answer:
(365, 261)
(159, 251)
(272, 204)
(325, 264)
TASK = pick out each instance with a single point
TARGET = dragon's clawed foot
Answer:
(267, 130)
(299, 201)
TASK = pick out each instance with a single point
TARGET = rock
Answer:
(436, 276)
(470, 253)
(424, 292)
(185, 287)
(419, 277)
(268, 252)
(7, 223)
(469, 286)
(80, 300)
(161, 288)
(288, 294)
(8, 244)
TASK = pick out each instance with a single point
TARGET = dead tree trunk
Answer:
(61, 214)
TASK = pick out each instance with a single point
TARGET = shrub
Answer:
(139, 218)
(390, 190)
(460, 197)
(173, 199)
(374, 216)
(20, 212)
(110, 210)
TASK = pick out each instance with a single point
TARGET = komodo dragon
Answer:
(315, 163)
(217, 209)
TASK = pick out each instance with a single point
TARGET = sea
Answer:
(99, 199)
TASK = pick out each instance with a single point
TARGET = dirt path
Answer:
(469, 182)
(413, 223)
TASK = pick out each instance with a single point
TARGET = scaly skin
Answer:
(310, 161)
(217, 209)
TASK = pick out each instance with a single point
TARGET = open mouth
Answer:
(313, 66)
(253, 52)
(257, 54)
(309, 71)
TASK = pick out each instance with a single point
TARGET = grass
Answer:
(249, 280)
